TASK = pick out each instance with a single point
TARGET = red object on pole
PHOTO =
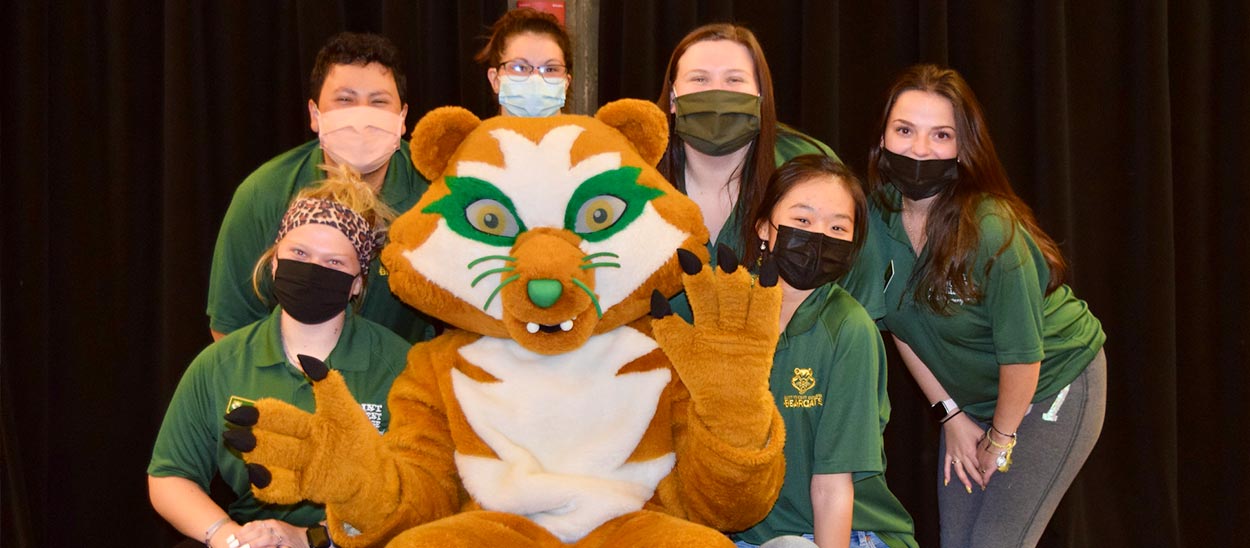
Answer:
(555, 8)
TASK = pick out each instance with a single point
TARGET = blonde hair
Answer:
(344, 186)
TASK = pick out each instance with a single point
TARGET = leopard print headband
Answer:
(333, 214)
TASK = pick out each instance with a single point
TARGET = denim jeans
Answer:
(859, 539)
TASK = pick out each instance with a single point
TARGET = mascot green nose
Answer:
(544, 293)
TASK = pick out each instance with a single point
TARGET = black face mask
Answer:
(807, 260)
(917, 179)
(311, 293)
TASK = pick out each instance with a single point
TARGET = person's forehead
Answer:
(923, 105)
(824, 191)
(370, 77)
(325, 238)
(523, 43)
(716, 54)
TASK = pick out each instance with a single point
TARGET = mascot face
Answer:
(542, 230)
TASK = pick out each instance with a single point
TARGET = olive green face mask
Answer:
(717, 122)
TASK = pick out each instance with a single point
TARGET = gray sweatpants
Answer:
(1016, 506)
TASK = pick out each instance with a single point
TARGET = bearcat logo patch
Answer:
(803, 380)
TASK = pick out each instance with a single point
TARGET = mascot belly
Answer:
(565, 407)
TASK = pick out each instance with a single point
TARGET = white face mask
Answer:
(361, 137)
(532, 97)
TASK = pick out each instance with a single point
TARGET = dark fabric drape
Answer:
(1124, 125)
(127, 124)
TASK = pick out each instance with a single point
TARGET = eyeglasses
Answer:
(518, 70)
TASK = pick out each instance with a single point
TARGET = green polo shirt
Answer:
(790, 143)
(829, 382)
(251, 225)
(249, 364)
(1013, 323)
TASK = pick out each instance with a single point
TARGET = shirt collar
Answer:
(351, 353)
(805, 317)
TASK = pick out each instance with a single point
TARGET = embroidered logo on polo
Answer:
(803, 380)
(237, 402)
(372, 410)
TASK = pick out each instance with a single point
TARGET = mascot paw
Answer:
(724, 358)
(735, 322)
(293, 455)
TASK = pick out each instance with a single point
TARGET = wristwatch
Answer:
(943, 409)
(319, 537)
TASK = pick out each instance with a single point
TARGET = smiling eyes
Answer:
(939, 135)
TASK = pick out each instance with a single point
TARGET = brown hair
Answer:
(801, 169)
(952, 231)
(351, 48)
(759, 165)
(519, 21)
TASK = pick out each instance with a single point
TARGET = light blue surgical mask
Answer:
(532, 97)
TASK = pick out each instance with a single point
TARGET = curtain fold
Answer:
(127, 125)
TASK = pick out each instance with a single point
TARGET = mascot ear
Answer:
(437, 136)
(643, 123)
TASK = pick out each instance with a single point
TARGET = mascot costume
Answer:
(567, 406)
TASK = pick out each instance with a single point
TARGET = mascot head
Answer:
(542, 230)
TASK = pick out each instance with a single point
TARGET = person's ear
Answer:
(764, 229)
(357, 285)
(672, 101)
(492, 76)
(313, 117)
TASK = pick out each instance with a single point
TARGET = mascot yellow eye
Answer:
(599, 213)
(491, 217)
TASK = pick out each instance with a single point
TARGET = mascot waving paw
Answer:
(556, 411)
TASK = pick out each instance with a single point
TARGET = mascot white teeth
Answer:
(556, 411)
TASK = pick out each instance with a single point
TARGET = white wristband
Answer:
(208, 535)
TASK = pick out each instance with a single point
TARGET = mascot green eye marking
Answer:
(606, 203)
(479, 211)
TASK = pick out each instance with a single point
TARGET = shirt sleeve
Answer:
(848, 437)
(187, 443)
(249, 228)
(1013, 290)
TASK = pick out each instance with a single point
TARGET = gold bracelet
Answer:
(1004, 457)
(997, 445)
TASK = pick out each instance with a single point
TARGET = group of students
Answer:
(936, 249)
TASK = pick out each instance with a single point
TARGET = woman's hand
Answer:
(268, 533)
(963, 452)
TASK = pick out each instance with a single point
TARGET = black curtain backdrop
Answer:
(127, 124)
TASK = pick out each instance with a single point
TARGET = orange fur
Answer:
(707, 451)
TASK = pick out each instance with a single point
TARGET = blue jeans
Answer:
(859, 539)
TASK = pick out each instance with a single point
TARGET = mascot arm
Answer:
(422, 484)
(729, 433)
(719, 485)
(335, 456)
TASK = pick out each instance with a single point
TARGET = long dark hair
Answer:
(952, 231)
(759, 161)
(801, 169)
